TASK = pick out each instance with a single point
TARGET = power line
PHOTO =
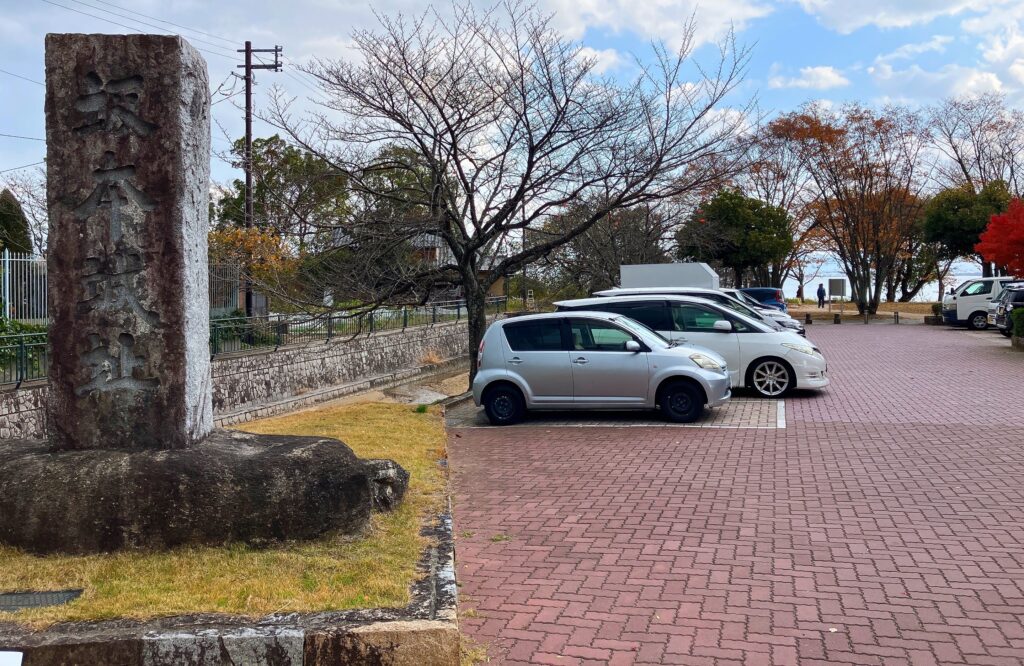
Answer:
(176, 25)
(121, 25)
(24, 166)
(148, 25)
(16, 136)
(23, 78)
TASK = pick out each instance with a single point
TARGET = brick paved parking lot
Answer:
(883, 525)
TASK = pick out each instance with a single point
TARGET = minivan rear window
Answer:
(535, 335)
(652, 314)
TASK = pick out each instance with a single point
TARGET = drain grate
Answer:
(15, 601)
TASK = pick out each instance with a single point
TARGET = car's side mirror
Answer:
(722, 326)
(632, 346)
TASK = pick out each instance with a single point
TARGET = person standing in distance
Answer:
(821, 295)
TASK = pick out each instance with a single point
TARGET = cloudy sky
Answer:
(911, 51)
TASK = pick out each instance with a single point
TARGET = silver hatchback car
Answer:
(592, 360)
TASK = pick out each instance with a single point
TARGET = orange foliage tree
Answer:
(864, 171)
(1002, 242)
(261, 254)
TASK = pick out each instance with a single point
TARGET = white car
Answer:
(733, 298)
(770, 362)
(774, 313)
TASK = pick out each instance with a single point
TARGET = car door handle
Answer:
(581, 361)
(515, 360)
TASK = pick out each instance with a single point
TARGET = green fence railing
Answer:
(25, 357)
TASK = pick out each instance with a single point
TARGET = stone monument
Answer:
(132, 459)
(128, 172)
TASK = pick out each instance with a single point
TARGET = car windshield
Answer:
(745, 298)
(636, 327)
(736, 306)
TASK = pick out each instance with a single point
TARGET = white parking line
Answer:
(780, 415)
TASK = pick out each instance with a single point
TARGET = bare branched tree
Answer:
(590, 261)
(29, 188)
(498, 123)
(979, 140)
(777, 176)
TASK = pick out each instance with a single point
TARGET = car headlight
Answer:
(705, 362)
(803, 349)
(790, 323)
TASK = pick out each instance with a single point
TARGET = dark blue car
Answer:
(769, 296)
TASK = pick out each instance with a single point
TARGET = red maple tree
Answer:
(1002, 242)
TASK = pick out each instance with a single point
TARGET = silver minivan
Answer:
(592, 360)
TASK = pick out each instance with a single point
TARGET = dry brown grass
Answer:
(431, 357)
(332, 573)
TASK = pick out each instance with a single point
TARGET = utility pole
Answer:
(247, 158)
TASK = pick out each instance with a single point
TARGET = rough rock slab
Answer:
(232, 487)
(128, 155)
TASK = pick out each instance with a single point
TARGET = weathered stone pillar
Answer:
(128, 164)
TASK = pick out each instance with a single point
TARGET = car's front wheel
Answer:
(682, 402)
(771, 378)
(504, 405)
(978, 321)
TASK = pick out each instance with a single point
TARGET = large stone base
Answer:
(233, 486)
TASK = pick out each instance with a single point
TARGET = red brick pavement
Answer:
(885, 525)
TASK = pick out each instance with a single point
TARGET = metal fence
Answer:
(242, 334)
(23, 287)
(25, 357)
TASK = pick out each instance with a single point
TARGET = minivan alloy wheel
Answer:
(979, 321)
(771, 378)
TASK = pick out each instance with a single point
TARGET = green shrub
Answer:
(28, 337)
(937, 309)
(1018, 322)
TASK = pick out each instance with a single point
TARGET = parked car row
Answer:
(1001, 310)
(673, 349)
(969, 304)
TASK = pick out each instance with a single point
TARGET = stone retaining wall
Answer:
(21, 411)
(257, 384)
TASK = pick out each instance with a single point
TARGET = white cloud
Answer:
(915, 82)
(822, 77)
(661, 19)
(604, 60)
(1017, 70)
(846, 16)
(910, 51)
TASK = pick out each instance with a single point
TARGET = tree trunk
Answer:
(476, 318)
(986, 268)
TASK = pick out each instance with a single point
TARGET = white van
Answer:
(968, 303)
